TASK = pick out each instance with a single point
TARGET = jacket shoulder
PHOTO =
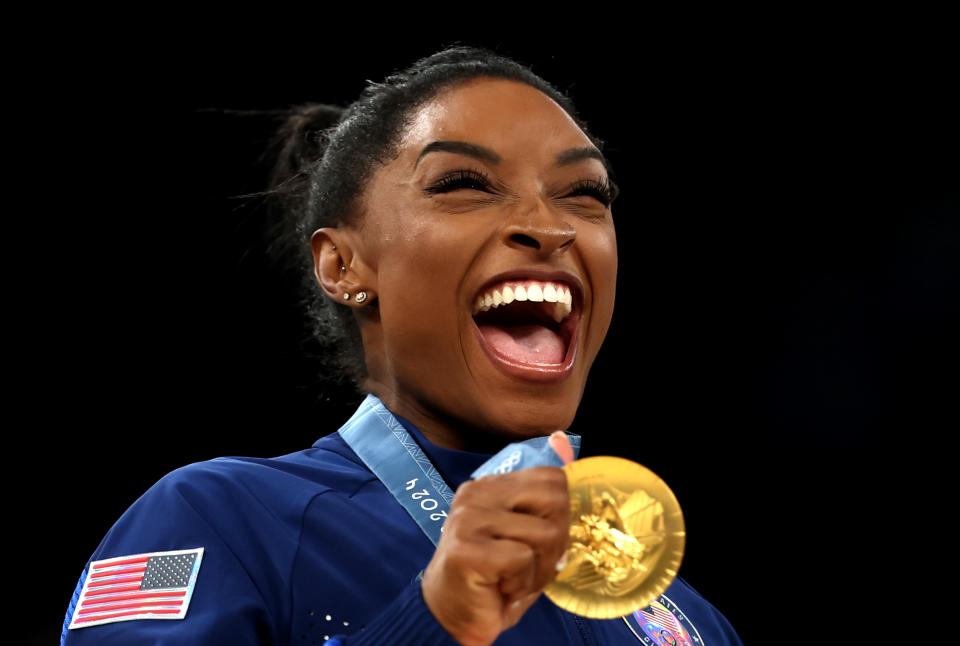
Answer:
(287, 482)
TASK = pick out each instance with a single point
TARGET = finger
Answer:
(560, 443)
(479, 523)
(548, 538)
(541, 491)
(517, 586)
(514, 564)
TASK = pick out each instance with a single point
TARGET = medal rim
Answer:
(666, 567)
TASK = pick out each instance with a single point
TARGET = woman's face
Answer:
(495, 195)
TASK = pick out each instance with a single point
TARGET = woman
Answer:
(463, 240)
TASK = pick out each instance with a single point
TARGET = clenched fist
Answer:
(500, 546)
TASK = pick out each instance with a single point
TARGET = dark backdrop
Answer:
(782, 351)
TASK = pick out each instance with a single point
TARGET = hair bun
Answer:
(301, 139)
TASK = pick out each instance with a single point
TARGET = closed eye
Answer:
(461, 179)
(603, 190)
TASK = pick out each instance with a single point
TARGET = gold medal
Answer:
(626, 539)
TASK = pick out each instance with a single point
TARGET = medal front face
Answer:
(626, 539)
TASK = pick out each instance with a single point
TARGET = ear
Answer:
(339, 269)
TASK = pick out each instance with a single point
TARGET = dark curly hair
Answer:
(325, 155)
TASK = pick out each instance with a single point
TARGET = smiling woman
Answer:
(485, 195)
(456, 226)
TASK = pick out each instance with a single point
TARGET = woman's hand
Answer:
(500, 546)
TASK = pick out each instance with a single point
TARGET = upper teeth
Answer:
(527, 290)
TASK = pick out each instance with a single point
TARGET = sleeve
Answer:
(227, 605)
(405, 622)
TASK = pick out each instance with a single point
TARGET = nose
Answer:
(540, 229)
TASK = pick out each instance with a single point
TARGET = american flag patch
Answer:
(157, 585)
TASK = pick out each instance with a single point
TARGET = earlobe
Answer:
(338, 270)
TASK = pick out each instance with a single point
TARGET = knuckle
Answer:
(458, 523)
(465, 491)
(555, 534)
(552, 474)
(557, 502)
(456, 515)
(526, 553)
(558, 478)
(551, 478)
(460, 556)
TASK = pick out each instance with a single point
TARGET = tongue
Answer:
(525, 343)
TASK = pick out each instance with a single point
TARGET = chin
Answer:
(526, 417)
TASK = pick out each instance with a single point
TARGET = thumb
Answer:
(561, 445)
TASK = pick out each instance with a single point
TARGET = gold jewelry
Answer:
(626, 539)
(346, 296)
(361, 297)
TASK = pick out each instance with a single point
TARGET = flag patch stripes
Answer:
(661, 616)
(157, 585)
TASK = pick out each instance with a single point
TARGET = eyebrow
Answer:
(461, 148)
(565, 158)
(573, 155)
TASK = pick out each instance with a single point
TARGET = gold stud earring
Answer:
(346, 296)
(361, 297)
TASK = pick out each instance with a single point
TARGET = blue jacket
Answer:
(310, 546)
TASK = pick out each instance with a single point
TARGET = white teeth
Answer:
(564, 304)
(533, 291)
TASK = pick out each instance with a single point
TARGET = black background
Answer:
(783, 351)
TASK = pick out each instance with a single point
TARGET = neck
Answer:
(440, 429)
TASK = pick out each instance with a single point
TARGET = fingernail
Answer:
(561, 445)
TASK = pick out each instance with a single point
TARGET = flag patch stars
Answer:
(157, 585)
(169, 571)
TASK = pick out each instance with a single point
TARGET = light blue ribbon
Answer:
(385, 446)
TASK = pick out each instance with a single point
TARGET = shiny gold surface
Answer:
(626, 539)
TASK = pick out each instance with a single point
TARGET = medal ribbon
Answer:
(385, 446)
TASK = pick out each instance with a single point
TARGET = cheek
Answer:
(419, 333)
(610, 253)
(415, 299)
(418, 277)
(600, 253)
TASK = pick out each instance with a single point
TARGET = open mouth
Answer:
(529, 325)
